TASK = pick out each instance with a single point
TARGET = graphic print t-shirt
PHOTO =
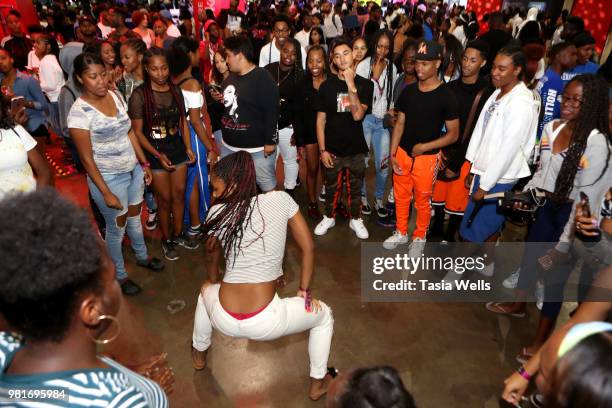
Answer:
(251, 110)
(343, 134)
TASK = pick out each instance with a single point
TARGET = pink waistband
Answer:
(244, 316)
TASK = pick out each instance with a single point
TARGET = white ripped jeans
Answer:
(280, 318)
(289, 154)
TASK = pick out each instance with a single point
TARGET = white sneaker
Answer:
(356, 225)
(324, 225)
(511, 281)
(391, 196)
(539, 294)
(488, 270)
(394, 240)
(417, 247)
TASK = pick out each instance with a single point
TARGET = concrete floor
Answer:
(449, 355)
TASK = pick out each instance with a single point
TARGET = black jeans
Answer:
(354, 168)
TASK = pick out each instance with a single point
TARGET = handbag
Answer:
(444, 161)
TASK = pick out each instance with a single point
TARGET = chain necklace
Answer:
(278, 80)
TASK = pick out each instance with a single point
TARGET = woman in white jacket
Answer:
(501, 143)
(51, 77)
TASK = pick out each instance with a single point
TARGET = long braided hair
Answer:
(372, 54)
(593, 115)
(150, 107)
(298, 71)
(228, 224)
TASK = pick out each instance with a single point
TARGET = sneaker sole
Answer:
(150, 228)
(191, 248)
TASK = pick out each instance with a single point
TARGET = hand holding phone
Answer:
(17, 102)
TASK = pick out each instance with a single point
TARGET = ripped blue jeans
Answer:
(129, 189)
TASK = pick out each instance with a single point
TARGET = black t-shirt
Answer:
(465, 94)
(251, 109)
(305, 112)
(425, 114)
(166, 120)
(343, 134)
(286, 86)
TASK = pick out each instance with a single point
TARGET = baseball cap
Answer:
(166, 14)
(582, 39)
(428, 51)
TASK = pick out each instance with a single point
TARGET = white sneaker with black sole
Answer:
(324, 225)
(361, 231)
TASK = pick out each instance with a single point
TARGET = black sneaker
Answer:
(291, 192)
(381, 210)
(169, 250)
(366, 209)
(186, 242)
(537, 400)
(322, 196)
(151, 222)
(129, 288)
(152, 263)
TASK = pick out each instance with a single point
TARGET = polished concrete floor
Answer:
(448, 355)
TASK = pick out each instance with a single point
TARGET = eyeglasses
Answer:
(284, 30)
(572, 101)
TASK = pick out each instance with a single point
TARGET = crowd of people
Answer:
(210, 132)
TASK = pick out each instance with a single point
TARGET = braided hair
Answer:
(372, 54)
(298, 71)
(593, 115)
(228, 224)
(150, 107)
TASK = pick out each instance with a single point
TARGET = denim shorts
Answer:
(128, 187)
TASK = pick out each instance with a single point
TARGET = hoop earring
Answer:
(112, 319)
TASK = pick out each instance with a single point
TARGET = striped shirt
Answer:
(114, 386)
(260, 258)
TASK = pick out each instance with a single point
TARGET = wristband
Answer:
(305, 290)
(145, 164)
(321, 151)
(523, 373)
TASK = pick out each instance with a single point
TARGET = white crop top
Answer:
(260, 258)
(193, 100)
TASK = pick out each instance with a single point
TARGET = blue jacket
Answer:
(28, 87)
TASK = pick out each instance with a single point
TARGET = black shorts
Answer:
(40, 131)
(174, 149)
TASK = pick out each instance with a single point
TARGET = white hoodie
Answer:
(500, 153)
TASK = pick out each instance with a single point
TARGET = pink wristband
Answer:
(523, 373)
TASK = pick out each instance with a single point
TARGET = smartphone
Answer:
(586, 209)
(17, 102)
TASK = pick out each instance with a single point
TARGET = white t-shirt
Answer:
(173, 31)
(105, 30)
(269, 54)
(303, 37)
(260, 258)
(51, 77)
(15, 172)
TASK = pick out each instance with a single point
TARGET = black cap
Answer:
(582, 39)
(428, 51)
